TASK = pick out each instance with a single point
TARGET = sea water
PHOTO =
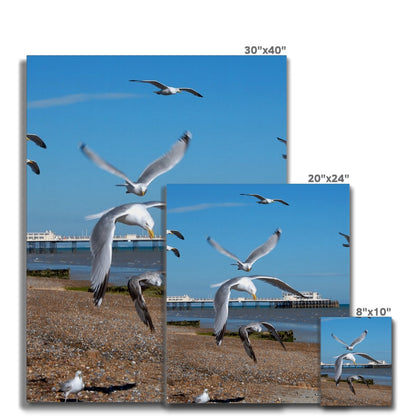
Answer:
(305, 323)
(380, 375)
(126, 262)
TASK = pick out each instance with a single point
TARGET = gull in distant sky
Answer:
(202, 398)
(174, 250)
(264, 200)
(136, 285)
(257, 253)
(246, 330)
(285, 142)
(347, 237)
(176, 233)
(348, 356)
(33, 165)
(356, 377)
(36, 139)
(152, 171)
(351, 346)
(102, 238)
(243, 284)
(165, 90)
(73, 386)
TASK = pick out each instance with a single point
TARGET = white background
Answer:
(351, 109)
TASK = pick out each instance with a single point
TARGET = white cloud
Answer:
(200, 207)
(78, 98)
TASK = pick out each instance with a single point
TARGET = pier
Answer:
(288, 301)
(48, 241)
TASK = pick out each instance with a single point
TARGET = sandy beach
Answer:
(195, 362)
(120, 359)
(375, 395)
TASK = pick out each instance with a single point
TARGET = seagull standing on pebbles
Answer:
(202, 398)
(73, 386)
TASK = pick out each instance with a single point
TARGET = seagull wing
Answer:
(347, 237)
(281, 140)
(174, 250)
(155, 83)
(191, 91)
(274, 333)
(368, 357)
(154, 204)
(256, 195)
(222, 296)
(337, 339)
(36, 139)
(359, 339)
(281, 201)
(33, 165)
(246, 342)
(135, 290)
(274, 281)
(265, 248)
(338, 367)
(222, 250)
(101, 248)
(176, 233)
(167, 161)
(349, 381)
(101, 163)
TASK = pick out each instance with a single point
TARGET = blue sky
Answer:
(377, 343)
(308, 256)
(74, 99)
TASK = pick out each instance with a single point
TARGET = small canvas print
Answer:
(105, 134)
(356, 361)
(251, 270)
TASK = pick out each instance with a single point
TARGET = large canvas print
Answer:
(105, 134)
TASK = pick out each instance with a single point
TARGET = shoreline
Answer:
(120, 358)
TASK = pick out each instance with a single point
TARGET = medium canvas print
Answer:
(356, 361)
(251, 268)
(104, 136)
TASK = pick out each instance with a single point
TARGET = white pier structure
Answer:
(312, 300)
(48, 238)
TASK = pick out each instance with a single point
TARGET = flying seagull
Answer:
(246, 330)
(102, 237)
(357, 377)
(36, 139)
(348, 356)
(257, 253)
(165, 90)
(136, 285)
(347, 237)
(202, 398)
(73, 386)
(243, 284)
(354, 343)
(152, 171)
(176, 233)
(265, 201)
(285, 142)
(174, 250)
(33, 165)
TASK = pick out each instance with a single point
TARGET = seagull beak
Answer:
(151, 233)
(254, 296)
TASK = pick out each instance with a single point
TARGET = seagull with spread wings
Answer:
(102, 238)
(136, 285)
(265, 201)
(356, 377)
(351, 346)
(165, 90)
(245, 330)
(257, 253)
(152, 171)
(347, 237)
(243, 284)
